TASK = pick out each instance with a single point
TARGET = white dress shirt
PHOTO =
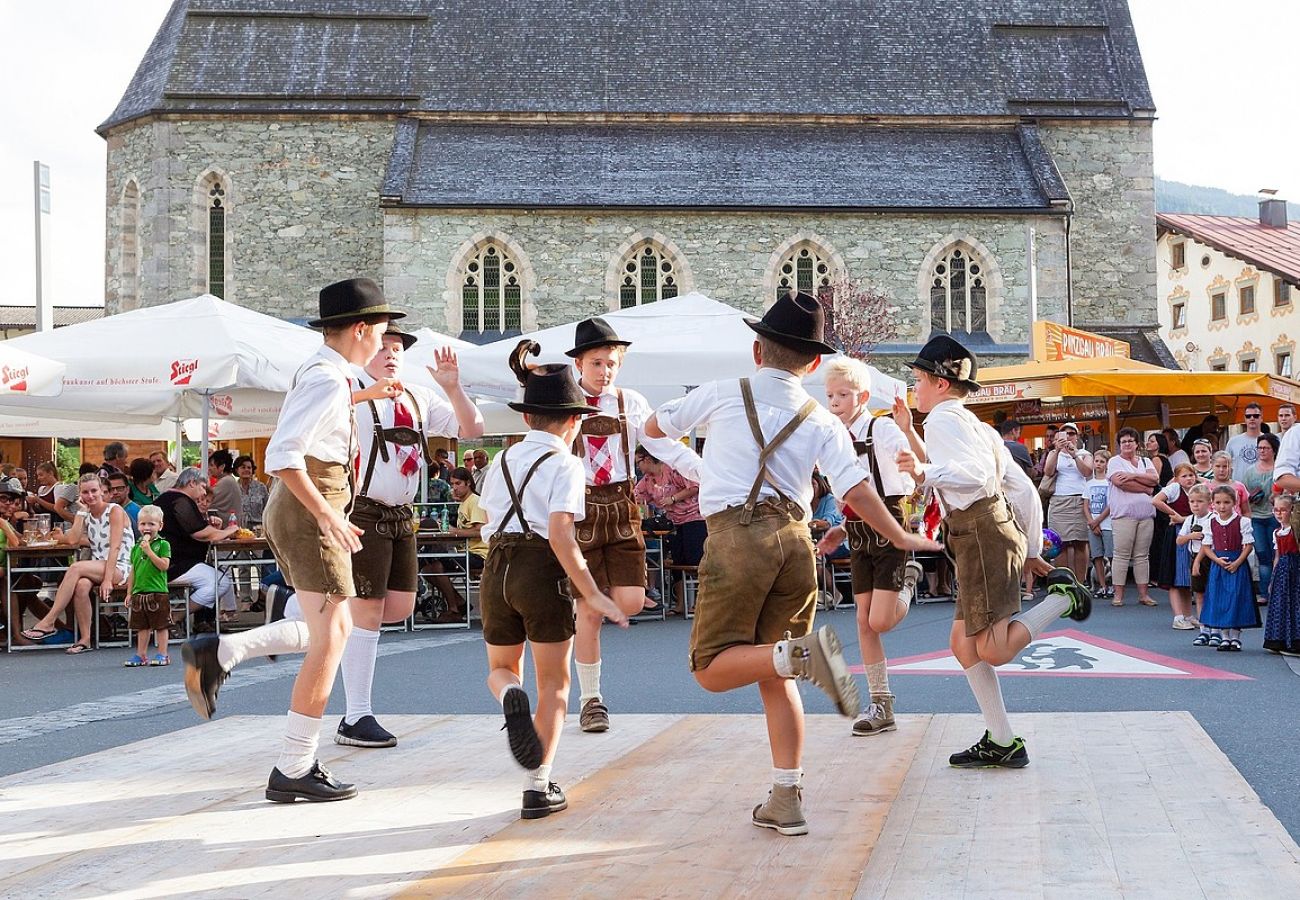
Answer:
(316, 418)
(558, 485)
(1288, 455)
(887, 440)
(636, 409)
(969, 462)
(387, 484)
(730, 462)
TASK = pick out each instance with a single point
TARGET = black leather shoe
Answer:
(203, 674)
(539, 805)
(365, 732)
(317, 786)
(525, 745)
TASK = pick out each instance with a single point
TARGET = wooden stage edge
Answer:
(1132, 804)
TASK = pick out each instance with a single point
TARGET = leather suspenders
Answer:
(767, 448)
(580, 443)
(517, 496)
(379, 443)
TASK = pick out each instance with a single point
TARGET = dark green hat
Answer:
(350, 300)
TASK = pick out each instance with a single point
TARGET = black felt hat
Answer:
(549, 388)
(796, 321)
(945, 357)
(408, 339)
(593, 333)
(350, 300)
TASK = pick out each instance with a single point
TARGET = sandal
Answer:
(1117, 602)
(160, 659)
(135, 662)
(1216, 640)
(1202, 640)
(1146, 601)
(76, 649)
(39, 634)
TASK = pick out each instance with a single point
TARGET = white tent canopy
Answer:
(677, 344)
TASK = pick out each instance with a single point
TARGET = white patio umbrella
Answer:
(189, 359)
(27, 374)
(677, 344)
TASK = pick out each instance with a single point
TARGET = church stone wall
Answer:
(568, 255)
(1108, 168)
(302, 200)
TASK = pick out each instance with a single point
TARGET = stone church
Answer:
(511, 166)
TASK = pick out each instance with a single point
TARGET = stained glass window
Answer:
(217, 241)
(491, 296)
(648, 275)
(958, 295)
(803, 270)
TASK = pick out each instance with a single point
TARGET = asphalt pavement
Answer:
(54, 707)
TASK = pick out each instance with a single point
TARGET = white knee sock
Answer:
(786, 777)
(538, 779)
(358, 666)
(878, 677)
(284, 636)
(298, 751)
(1042, 614)
(513, 686)
(292, 608)
(988, 694)
(588, 681)
(781, 659)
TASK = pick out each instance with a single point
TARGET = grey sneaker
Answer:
(593, 718)
(879, 717)
(783, 811)
(912, 575)
(819, 658)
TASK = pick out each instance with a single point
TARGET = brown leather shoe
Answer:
(594, 717)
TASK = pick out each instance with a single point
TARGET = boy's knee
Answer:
(705, 680)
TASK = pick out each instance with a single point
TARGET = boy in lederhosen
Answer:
(393, 435)
(610, 535)
(758, 580)
(884, 577)
(532, 495)
(992, 527)
(313, 454)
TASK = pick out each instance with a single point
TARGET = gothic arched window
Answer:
(216, 241)
(648, 274)
(803, 270)
(958, 296)
(491, 297)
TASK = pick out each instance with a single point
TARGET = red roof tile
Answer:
(1276, 250)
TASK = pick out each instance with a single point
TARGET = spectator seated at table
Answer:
(164, 473)
(143, 489)
(106, 528)
(115, 459)
(470, 520)
(252, 493)
(22, 601)
(677, 496)
(190, 532)
(227, 498)
(119, 492)
(826, 513)
(52, 497)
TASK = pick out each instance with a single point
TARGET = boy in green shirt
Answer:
(147, 596)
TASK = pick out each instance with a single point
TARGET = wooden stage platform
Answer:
(1112, 805)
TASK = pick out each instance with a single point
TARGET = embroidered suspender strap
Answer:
(419, 427)
(875, 460)
(517, 496)
(353, 447)
(627, 448)
(767, 448)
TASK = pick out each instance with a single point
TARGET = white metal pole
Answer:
(44, 297)
(203, 448)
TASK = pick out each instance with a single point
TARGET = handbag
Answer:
(1047, 486)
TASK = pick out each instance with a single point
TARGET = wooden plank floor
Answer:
(1113, 805)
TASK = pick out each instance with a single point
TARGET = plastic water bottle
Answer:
(442, 520)
(234, 521)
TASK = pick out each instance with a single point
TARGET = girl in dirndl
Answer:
(1282, 631)
(1229, 597)
(1173, 570)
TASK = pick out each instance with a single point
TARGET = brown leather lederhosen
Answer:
(292, 533)
(387, 559)
(610, 532)
(758, 578)
(523, 593)
(874, 563)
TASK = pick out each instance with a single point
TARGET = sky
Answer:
(1222, 74)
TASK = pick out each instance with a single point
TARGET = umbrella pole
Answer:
(178, 458)
(203, 450)
(1112, 423)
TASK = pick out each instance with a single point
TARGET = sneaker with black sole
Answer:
(364, 732)
(985, 754)
(818, 657)
(540, 804)
(912, 576)
(593, 718)
(317, 786)
(782, 811)
(203, 674)
(525, 745)
(1062, 581)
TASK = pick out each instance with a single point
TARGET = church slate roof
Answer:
(927, 58)
(720, 167)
